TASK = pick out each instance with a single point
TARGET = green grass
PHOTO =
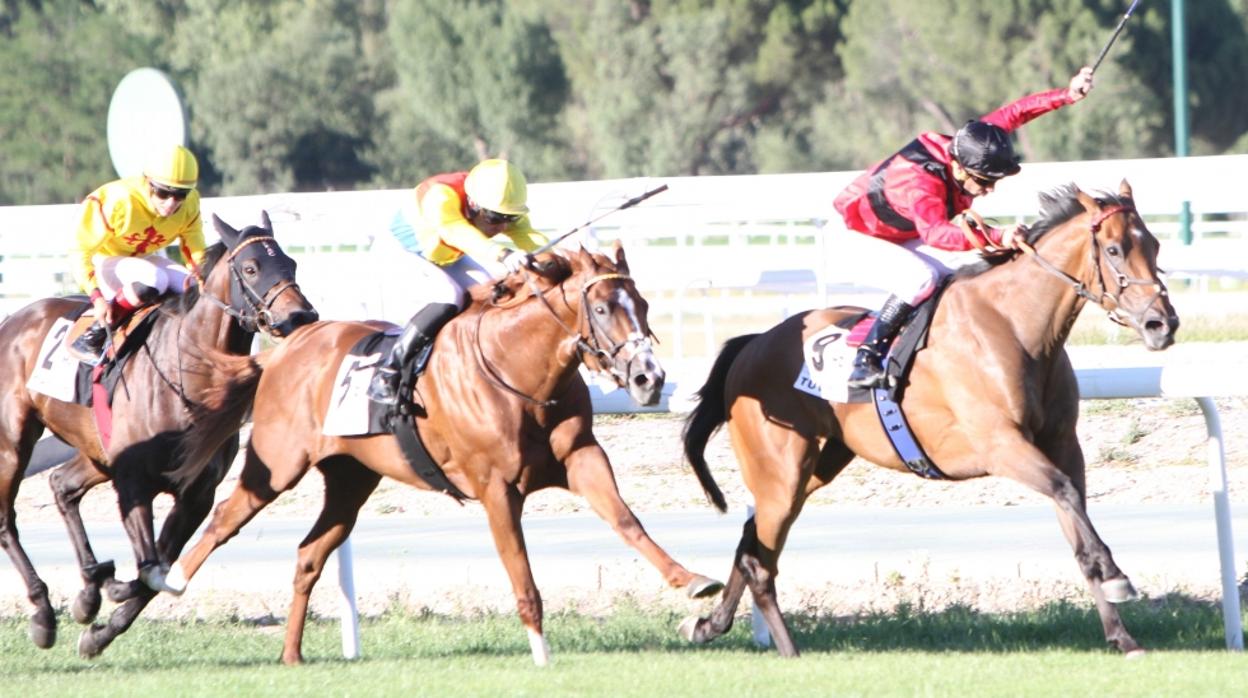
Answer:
(1056, 650)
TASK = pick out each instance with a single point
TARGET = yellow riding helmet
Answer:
(174, 167)
(497, 185)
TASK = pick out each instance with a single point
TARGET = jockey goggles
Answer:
(496, 218)
(169, 192)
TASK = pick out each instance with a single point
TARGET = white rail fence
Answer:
(758, 234)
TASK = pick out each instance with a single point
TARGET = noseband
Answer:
(1123, 280)
(259, 315)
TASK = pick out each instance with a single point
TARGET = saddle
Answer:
(120, 334)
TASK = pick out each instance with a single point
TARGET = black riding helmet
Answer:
(985, 149)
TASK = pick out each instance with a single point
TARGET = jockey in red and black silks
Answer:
(903, 212)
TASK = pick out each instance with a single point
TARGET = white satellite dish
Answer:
(146, 112)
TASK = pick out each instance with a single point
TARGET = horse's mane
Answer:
(183, 303)
(1057, 206)
(551, 269)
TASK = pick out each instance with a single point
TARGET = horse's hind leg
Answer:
(590, 475)
(348, 485)
(16, 445)
(1066, 487)
(69, 483)
(782, 469)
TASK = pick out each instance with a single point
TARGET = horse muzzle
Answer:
(293, 321)
(645, 378)
(1158, 329)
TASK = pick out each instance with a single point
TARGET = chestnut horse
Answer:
(249, 285)
(993, 393)
(502, 409)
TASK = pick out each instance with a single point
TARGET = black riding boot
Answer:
(417, 338)
(868, 369)
(89, 347)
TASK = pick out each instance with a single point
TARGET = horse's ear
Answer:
(264, 221)
(617, 250)
(1089, 203)
(582, 259)
(1124, 190)
(228, 234)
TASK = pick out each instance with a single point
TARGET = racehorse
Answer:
(993, 393)
(502, 409)
(248, 286)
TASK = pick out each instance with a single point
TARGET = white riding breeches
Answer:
(412, 282)
(910, 270)
(130, 277)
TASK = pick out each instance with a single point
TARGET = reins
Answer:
(1124, 281)
(592, 347)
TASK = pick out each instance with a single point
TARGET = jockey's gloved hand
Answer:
(515, 260)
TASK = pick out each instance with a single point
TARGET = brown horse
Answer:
(249, 285)
(993, 393)
(503, 411)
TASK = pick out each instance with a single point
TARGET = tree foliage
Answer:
(291, 95)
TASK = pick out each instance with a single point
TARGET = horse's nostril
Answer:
(640, 380)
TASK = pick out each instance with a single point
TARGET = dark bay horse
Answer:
(505, 413)
(249, 285)
(993, 393)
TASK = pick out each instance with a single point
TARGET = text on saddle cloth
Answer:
(350, 412)
(828, 360)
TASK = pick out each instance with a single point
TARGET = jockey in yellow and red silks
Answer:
(122, 226)
(462, 228)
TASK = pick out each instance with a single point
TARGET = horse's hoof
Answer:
(87, 647)
(1137, 653)
(43, 634)
(119, 592)
(688, 628)
(86, 605)
(703, 587)
(1119, 590)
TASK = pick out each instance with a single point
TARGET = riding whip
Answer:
(627, 204)
(1114, 37)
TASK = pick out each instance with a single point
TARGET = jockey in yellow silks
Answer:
(463, 229)
(122, 226)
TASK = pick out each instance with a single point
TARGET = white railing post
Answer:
(350, 613)
(1231, 619)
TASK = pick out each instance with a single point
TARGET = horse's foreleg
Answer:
(134, 498)
(590, 475)
(347, 486)
(503, 506)
(69, 483)
(1108, 584)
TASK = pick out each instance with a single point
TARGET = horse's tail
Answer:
(220, 412)
(709, 416)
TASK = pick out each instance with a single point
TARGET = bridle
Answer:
(1122, 280)
(259, 314)
(594, 341)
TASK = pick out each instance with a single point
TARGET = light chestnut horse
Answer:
(504, 411)
(993, 393)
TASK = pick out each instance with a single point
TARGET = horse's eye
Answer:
(600, 309)
(250, 269)
(1114, 251)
